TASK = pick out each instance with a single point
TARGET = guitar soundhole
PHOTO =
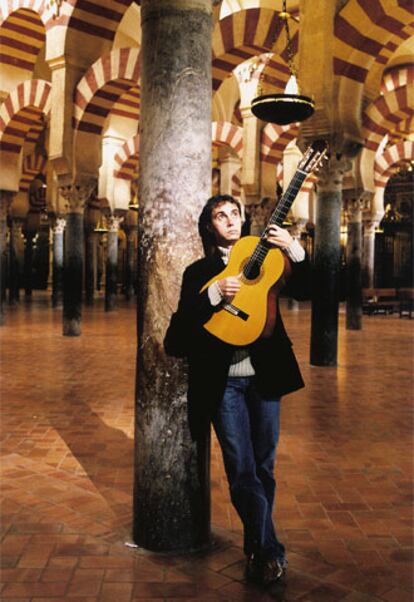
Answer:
(252, 272)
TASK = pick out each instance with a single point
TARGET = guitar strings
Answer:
(277, 217)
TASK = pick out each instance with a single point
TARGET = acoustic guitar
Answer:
(260, 267)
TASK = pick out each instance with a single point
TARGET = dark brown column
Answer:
(353, 266)
(171, 492)
(15, 232)
(6, 198)
(28, 263)
(75, 197)
(130, 271)
(91, 244)
(326, 269)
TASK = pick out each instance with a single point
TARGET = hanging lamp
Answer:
(289, 107)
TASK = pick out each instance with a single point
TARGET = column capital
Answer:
(331, 175)
(354, 210)
(76, 196)
(113, 223)
(59, 226)
(369, 226)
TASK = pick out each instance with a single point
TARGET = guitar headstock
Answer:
(313, 156)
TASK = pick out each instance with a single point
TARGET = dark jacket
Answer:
(276, 370)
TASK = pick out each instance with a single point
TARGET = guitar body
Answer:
(245, 319)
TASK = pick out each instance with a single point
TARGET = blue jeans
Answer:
(247, 428)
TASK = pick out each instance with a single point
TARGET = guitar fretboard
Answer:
(277, 217)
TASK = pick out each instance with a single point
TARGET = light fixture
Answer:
(101, 225)
(291, 106)
(133, 205)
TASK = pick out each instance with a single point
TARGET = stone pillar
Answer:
(57, 284)
(6, 198)
(171, 492)
(28, 263)
(325, 301)
(229, 166)
(111, 281)
(130, 272)
(15, 231)
(353, 266)
(251, 161)
(75, 197)
(90, 265)
(368, 254)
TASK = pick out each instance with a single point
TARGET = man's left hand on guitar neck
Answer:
(280, 237)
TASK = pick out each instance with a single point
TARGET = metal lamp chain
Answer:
(291, 64)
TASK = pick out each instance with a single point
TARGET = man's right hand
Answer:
(229, 287)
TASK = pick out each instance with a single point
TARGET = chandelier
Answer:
(291, 106)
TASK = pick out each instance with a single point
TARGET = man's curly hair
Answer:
(204, 221)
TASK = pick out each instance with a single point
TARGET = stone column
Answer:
(111, 280)
(90, 265)
(6, 198)
(75, 197)
(15, 231)
(325, 301)
(353, 266)
(28, 263)
(130, 272)
(171, 493)
(229, 166)
(57, 284)
(368, 253)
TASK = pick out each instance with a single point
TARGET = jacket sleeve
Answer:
(194, 309)
(299, 283)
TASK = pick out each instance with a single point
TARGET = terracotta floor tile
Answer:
(344, 470)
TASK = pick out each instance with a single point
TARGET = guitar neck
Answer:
(277, 218)
(287, 199)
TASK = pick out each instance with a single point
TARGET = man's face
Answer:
(226, 223)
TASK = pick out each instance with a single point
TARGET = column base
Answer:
(71, 328)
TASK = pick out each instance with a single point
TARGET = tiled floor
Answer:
(344, 470)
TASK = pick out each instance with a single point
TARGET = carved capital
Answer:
(330, 176)
(113, 223)
(76, 196)
(369, 227)
(354, 211)
(59, 226)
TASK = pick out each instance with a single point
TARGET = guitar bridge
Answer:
(235, 311)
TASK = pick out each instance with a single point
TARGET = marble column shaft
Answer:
(368, 254)
(5, 202)
(130, 272)
(75, 197)
(171, 492)
(28, 263)
(15, 230)
(57, 283)
(353, 267)
(90, 266)
(111, 278)
(326, 269)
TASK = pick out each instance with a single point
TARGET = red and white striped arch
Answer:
(275, 139)
(126, 160)
(21, 112)
(22, 34)
(399, 76)
(33, 165)
(245, 34)
(385, 113)
(367, 31)
(113, 77)
(225, 133)
(384, 164)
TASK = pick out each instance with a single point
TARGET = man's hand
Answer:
(278, 237)
(229, 287)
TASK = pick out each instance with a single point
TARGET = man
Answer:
(239, 389)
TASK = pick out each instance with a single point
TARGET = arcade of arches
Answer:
(118, 118)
